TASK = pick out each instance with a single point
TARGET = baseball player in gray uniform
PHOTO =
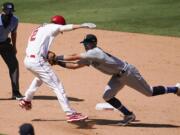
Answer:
(122, 74)
(8, 25)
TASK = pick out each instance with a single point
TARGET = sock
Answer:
(172, 89)
(117, 104)
(158, 90)
(124, 110)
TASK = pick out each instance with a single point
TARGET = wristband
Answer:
(59, 58)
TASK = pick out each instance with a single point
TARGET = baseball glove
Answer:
(51, 57)
(89, 25)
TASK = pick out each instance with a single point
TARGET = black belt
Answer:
(122, 71)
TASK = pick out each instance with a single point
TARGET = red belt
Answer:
(32, 56)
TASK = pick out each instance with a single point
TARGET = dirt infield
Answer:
(157, 57)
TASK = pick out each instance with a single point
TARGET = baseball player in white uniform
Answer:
(36, 62)
(122, 74)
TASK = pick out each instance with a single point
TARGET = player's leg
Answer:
(113, 87)
(50, 78)
(36, 83)
(11, 61)
(29, 94)
(136, 81)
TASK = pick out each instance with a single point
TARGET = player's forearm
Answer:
(73, 66)
(69, 65)
(71, 57)
(70, 27)
(68, 61)
(77, 26)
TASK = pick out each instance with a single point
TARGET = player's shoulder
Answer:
(95, 52)
(96, 49)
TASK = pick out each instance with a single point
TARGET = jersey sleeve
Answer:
(55, 29)
(52, 29)
(91, 55)
(67, 27)
(86, 58)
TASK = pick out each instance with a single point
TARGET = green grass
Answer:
(161, 17)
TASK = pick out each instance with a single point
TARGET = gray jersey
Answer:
(4, 32)
(111, 65)
(102, 61)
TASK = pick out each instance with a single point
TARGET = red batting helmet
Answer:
(58, 20)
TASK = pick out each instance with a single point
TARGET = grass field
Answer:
(142, 16)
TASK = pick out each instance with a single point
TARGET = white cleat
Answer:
(178, 91)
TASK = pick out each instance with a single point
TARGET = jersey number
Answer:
(33, 35)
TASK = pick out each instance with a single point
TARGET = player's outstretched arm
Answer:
(70, 64)
(66, 61)
(70, 27)
(85, 25)
(69, 61)
(72, 57)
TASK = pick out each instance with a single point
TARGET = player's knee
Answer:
(107, 96)
(148, 92)
(39, 82)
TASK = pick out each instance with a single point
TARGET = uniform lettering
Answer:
(33, 36)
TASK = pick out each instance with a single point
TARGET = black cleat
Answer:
(17, 95)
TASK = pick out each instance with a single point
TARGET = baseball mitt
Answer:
(51, 57)
(89, 25)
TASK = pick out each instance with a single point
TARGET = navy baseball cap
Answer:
(26, 129)
(8, 6)
(89, 39)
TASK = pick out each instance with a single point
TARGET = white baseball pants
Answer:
(44, 73)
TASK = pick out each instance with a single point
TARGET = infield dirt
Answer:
(157, 58)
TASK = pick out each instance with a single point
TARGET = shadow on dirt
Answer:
(49, 98)
(46, 120)
(55, 98)
(6, 99)
(91, 123)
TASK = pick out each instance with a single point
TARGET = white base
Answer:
(104, 106)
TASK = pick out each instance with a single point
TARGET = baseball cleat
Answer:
(25, 104)
(127, 119)
(178, 91)
(74, 117)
